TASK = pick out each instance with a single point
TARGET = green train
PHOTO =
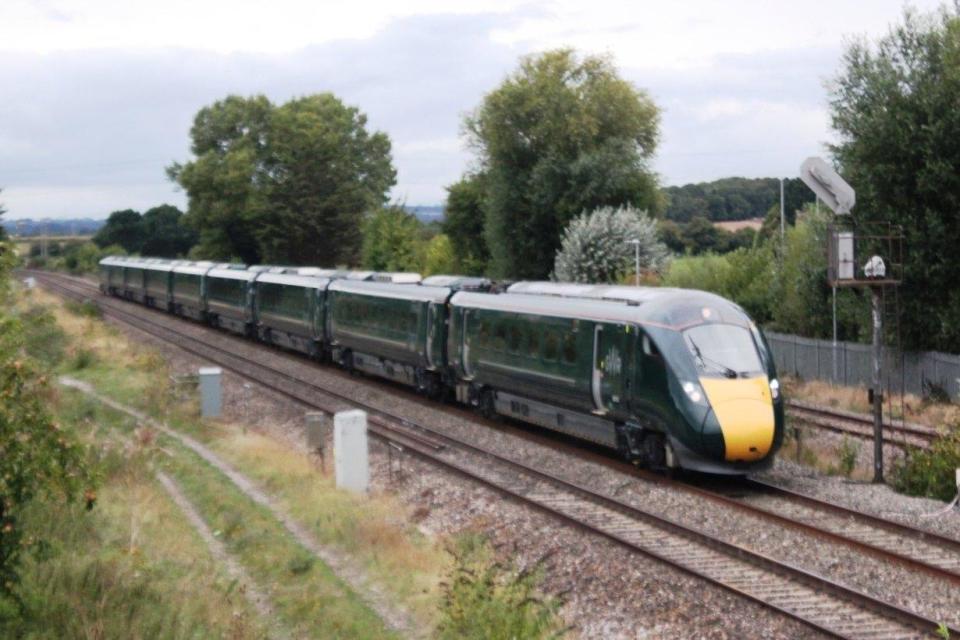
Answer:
(670, 378)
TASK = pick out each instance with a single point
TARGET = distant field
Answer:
(735, 225)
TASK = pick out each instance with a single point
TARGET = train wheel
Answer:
(488, 407)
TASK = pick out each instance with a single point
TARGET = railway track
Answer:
(897, 434)
(816, 601)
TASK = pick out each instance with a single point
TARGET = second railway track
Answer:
(818, 602)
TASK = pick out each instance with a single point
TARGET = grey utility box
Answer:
(350, 453)
(210, 391)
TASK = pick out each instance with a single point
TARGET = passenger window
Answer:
(533, 342)
(551, 345)
(569, 347)
(516, 336)
(499, 337)
(649, 348)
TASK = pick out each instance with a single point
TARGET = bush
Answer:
(930, 472)
(594, 246)
(43, 339)
(482, 599)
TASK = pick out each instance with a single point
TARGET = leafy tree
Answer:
(560, 136)
(38, 459)
(325, 171)
(734, 199)
(164, 234)
(463, 224)
(224, 182)
(124, 228)
(392, 239)
(894, 108)
(595, 249)
(671, 234)
(440, 257)
(285, 184)
(701, 236)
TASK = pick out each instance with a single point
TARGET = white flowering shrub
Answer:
(595, 246)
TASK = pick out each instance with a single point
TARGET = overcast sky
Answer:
(98, 95)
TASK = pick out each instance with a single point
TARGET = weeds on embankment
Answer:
(930, 472)
(486, 600)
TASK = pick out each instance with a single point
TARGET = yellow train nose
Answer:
(744, 409)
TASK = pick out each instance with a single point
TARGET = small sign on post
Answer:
(350, 454)
(317, 430)
(210, 391)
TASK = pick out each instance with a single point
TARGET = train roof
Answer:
(397, 277)
(294, 280)
(391, 290)
(622, 293)
(457, 282)
(194, 268)
(675, 309)
(112, 261)
(228, 273)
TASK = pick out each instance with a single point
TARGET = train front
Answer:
(723, 384)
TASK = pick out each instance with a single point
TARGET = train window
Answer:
(533, 342)
(551, 345)
(649, 348)
(569, 347)
(499, 337)
(516, 338)
(483, 334)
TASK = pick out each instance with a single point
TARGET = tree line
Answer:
(564, 135)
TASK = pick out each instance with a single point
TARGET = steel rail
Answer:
(863, 601)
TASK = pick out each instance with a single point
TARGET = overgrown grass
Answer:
(486, 600)
(375, 530)
(930, 472)
(129, 567)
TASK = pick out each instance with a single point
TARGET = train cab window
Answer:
(483, 334)
(649, 348)
(551, 345)
(569, 347)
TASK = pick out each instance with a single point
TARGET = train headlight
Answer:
(693, 392)
(775, 388)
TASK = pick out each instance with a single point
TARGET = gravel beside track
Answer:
(880, 579)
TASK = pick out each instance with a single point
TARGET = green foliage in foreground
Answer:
(483, 600)
(39, 459)
(930, 472)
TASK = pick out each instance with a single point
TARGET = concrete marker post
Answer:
(350, 452)
(211, 396)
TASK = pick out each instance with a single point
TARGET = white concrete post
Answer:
(350, 453)
(210, 393)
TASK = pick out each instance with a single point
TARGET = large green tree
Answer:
(124, 228)
(165, 236)
(894, 107)
(324, 172)
(224, 182)
(288, 183)
(562, 135)
(463, 224)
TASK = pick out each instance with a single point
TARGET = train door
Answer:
(610, 367)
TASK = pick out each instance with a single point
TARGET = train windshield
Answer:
(723, 350)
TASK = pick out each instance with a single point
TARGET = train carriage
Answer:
(111, 275)
(228, 294)
(186, 290)
(393, 331)
(157, 281)
(683, 379)
(288, 309)
(133, 280)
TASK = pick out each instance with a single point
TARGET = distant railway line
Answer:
(818, 602)
(896, 433)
